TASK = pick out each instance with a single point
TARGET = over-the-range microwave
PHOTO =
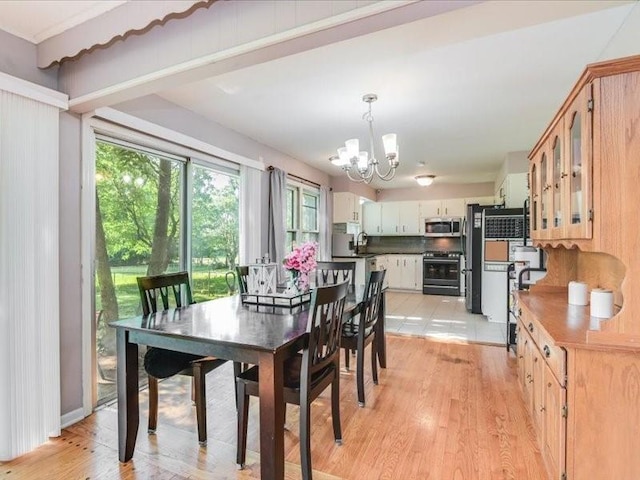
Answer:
(443, 227)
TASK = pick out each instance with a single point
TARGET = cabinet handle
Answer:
(531, 327)
(520, 356)
(535, 360)
(531, 380)
(542, 409)
(519, 312)
(549, 385)
(547, 351)
(563, 174)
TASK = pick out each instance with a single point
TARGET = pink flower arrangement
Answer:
(301, 261)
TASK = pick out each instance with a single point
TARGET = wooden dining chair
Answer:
(161, 292)
(360, 330)
(307, 374)
(242, 272)
(329, 273)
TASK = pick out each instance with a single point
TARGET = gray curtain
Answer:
(325, 217)
(276, 229)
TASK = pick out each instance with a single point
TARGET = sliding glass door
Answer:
(156, 213)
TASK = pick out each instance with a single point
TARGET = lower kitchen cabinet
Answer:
(545, 396)
(404, 272)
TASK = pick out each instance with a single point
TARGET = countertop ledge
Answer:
(566, 324)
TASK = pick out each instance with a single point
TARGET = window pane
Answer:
(137, 233)
(289, 241)
(309, 212)
(214, 232)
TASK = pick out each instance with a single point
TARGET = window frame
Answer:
(297, 234)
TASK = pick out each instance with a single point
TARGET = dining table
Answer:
(231, 329)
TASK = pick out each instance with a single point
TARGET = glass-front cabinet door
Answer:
(579, 188)
(557, 185)
(544, 195)
(534, 203)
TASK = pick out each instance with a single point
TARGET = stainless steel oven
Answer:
(441, 273)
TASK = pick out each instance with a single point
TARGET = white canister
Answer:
(578, 293)
(601, 303)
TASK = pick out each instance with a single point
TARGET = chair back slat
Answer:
(242, 273)
(324, 327)
(330, 273)
(158, 288)
(371, 301)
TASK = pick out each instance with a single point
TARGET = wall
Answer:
(70, 267)
(18, 58)
(437, 192)
(162, 112)
(514, 162)
(343, 184)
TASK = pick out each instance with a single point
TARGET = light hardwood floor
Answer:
(442, 411)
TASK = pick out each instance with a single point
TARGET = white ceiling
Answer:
(460, 89)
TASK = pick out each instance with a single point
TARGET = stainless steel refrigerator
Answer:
(473, 257)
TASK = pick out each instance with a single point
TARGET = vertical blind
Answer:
(29, 275)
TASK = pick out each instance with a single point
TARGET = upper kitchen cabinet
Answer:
(453, 207)
(561, 174)
(372, 218)
(578, 183)
(400, 218)
(512, 192)
(479, 200)
(346, 207)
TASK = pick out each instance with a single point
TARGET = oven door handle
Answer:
(450, 261)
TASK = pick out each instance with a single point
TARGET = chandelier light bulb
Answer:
(344, 156)
(353, 147)
(363, 161)
(390, 144)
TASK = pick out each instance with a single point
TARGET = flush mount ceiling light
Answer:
(425, 180)
(363, 166)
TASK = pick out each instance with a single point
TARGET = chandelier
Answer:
(361, 166)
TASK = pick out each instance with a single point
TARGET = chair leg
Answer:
(193, 390)
(335, 407)
(305, 437)
(238, 368)
(346, 358)
(153, 404)
(201, 402)
(243, 422)
(360, 374)
(374, 362)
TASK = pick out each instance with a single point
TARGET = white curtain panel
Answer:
(251, 212)
(29, 275)
(326, 215)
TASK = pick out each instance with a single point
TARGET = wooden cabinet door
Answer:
(520, 338)
(555, 425)
(579, 181)
(394, 271)
(344, 207)
(408, 218)
(430, 208)
(544, 185)
(534, 198)
(390, 218)
(537, 391)
(453, 207)
(408, 272)
(371, 218)
(557, 182)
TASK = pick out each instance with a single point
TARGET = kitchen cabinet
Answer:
(346, 207)
(402, 271)
(512, 192)
(452, 207)
(400, 218)
(372, 218)
(544, 394)
(478, 200)
(561, 174)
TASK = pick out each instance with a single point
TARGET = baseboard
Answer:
(72, 417)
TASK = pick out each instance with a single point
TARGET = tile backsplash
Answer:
(411, 244)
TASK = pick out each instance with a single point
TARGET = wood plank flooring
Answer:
(441, 411)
